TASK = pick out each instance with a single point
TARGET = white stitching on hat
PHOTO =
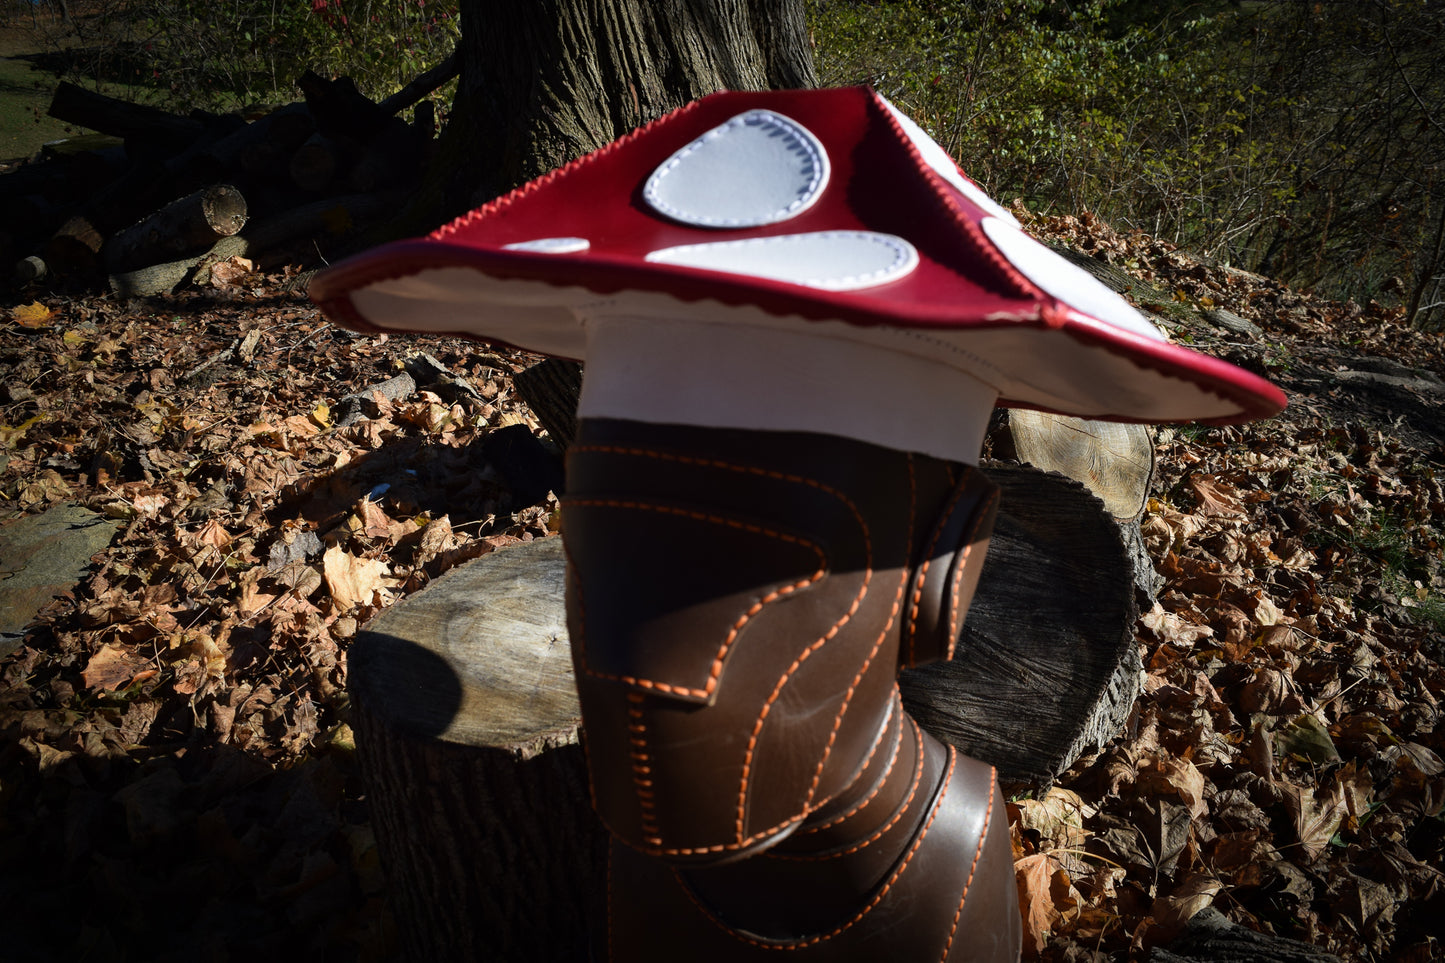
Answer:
(799, 139)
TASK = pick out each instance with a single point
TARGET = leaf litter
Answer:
(177, 774)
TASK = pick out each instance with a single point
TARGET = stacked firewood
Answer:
(164, 198)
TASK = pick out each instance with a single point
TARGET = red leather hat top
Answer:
(820, 210)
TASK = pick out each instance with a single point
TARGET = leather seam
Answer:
(642, 770)
(973, 868)
(715, 672)
(895, 721)
(954, 615)
(921, 581)
(878, 897)
(879, 833)
(882, 636)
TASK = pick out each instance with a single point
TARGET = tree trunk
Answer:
(545, 81)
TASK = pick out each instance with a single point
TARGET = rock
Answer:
(43, 556)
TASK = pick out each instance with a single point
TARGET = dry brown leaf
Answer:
(1034, 877)
(232, 269)
(1216, 498)
(1192, 896)
(1317, 814)
(115, 667)
(1166, 774)
(352, 580)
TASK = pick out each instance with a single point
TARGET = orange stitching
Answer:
(927, 561)
(641, 769)
(977, 855)
(882, 636)
(877, 898)
(715, 672)
(787, 675)
(895, 721)
(877, 833)
(955, 613)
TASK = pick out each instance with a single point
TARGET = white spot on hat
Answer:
(758, 168)
(1068, 282)
(827, 260)
(551, 245)
(937, 158)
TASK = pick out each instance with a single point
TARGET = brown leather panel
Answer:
(947, 896)
(736, 603)
(946, 574)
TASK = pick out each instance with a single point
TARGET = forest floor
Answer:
(177, 775)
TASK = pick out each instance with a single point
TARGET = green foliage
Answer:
(1301, 140)
(228, 53)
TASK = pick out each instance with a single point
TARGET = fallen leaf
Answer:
(352, 580)
(32, 315)
(1316, 814)
(1216, 498)
(115, 667)
(228, 272)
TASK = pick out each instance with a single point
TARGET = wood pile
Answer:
(164, 198)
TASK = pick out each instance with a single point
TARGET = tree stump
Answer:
(466, 721)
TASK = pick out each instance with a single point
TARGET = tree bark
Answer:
(545, 81)
(183, 227)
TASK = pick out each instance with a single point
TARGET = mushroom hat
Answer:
(827, 211)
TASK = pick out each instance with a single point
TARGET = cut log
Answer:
(186, 226)
(340, 109)
(85, 108)
(1114, 461)
(158, 279)
(466, 723)
(74, 250)
(316, 163)
(393, 158)
(327, 218)
(277, 135)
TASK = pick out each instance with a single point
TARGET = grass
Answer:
(24, 97)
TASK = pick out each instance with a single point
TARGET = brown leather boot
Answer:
(739, 603)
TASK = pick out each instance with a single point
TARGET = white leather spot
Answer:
(937, 158)
(827, 260)
(551, 245)
(1068, 282)
(758, 168)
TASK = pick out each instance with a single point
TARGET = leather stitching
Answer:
(716, 670)
(882, 636)
(955, 613)
(805, 942)
(972, 869)
(642, 769)
(877, 834)
(895, 722)
(923, 571)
